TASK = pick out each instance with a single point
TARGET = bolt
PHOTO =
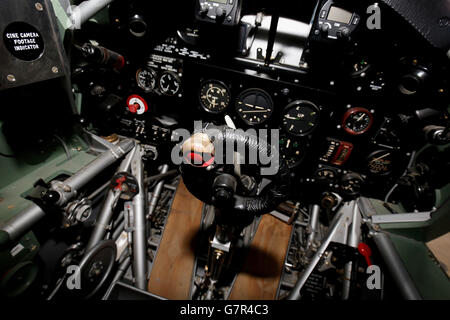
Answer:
(39, 6)
(67, 188)
(55, 70)
(11, 78)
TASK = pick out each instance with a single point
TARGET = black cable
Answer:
(7, 155)
(66, 149)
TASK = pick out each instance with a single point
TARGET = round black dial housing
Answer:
(254, 106)
(300, 118)
(326, 174)
(291, 151)
(380, 162)
(357, 121)
(146, 79)
(169, 83)
(214, 96)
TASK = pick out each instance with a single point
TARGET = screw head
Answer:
(39, 6)
(11, 78)
(55, 70)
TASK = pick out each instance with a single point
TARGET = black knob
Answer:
(343, 33)
(324, 28)
(220, 13)
(51, 197)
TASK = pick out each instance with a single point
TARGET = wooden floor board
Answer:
(260, 276)
(441, 250)
(172, 270)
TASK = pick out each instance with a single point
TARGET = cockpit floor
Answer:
(260, 276)
(172, 270)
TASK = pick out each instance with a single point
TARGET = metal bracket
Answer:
(260, 56)
(216, 244)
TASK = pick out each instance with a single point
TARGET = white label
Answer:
(16, 250)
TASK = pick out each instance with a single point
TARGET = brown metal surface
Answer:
(261, 273)
(172, 272)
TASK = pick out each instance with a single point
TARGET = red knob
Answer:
(365, 251)
(133, 107)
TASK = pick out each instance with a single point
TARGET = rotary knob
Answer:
(220, 13)
(343, 34)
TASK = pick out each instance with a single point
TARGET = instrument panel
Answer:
(310, 121)
(340, 113)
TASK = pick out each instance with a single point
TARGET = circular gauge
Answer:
(326, 174)
(146, 79)
(351, 184)
(169, 83)
(357, 121)
(214, 96)
(380, 162)
(254, 106)
(291, 151)
(359, 67)
(300, 118)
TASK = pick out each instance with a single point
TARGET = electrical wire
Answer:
(64, 145)
(410, 163)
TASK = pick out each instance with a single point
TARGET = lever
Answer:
(365, 251)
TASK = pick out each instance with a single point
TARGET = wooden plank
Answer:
(441, 250)
(262, 269)
(172, 270)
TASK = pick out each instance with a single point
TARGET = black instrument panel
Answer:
(344, 109)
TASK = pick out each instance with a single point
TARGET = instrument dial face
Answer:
(146, 79)
(291, 151)
(359, 67)
(214, 96)
(351, 184)
(300, 118)
(326, 174)
(254, 106)
(169, 83)
(357, 121)
(380, 162)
